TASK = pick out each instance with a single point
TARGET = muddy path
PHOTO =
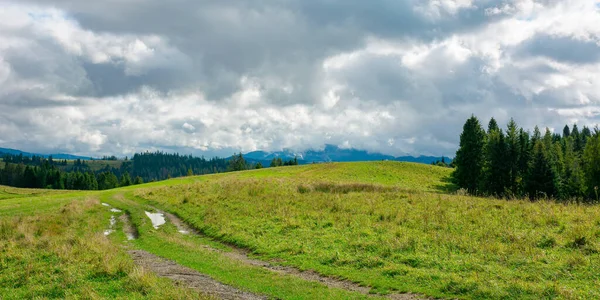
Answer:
(189, 277)
(242, 255)
(129, 229)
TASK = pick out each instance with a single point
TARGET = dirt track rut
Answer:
(189, 277)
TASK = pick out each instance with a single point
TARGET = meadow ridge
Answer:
(389, 227)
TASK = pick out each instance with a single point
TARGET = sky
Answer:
(400, 77)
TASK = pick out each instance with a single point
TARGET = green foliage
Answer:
(125, 179)
(469, 157)
(278, 162)
(237, 163)
(138, 180)
(516, 164)
(592, 165)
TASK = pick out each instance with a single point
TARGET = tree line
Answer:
(50, 176)
(516, 163)
(40, 172)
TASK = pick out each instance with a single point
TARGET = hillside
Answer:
(335, 231)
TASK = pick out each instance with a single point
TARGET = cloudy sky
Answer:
(217, 76)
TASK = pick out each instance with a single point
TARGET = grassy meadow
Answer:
(55, 248)
(393, 227)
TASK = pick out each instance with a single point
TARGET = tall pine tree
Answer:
(469, 157)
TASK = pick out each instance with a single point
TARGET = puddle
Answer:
(116, 210)
(157, 219)
(110, 229)
(106, 204)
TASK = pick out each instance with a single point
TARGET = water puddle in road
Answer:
(110, 229)
(106, 204)
(157, 219)
(115, 210)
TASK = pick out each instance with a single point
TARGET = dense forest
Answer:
(39, 172)
(515, 163)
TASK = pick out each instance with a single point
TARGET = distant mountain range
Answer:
(330, 153)
(54, 156)
(333, 153)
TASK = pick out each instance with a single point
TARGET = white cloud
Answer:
(115, 77)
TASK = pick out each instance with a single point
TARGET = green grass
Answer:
(62, 253)
(188, 250)
(395, 227)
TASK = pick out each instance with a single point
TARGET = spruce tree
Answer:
(492, 126)
(524, 158)
(566, 131)
(513, 156)
(592, 165)
(125, 179)
(469, 158)
(138, 180)
(541, 178)
(577, 139)
(574, 184)
(496, 170)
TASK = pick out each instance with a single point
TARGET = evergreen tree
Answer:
(469, 158)
(258, 166)
(574, 184)
(138, 180)
(577, 139)
(237, 163)
(513, 157)
(592, 165)
(524, 158)
(496, 169)
(541, 178)
(125, 180)
(566, 131)
(492, 126)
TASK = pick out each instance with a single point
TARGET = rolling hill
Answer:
(320, 231)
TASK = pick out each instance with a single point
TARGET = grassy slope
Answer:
(413, 237)
(392, 226)
(52, 246)
(190, 250)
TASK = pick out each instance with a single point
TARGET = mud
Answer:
(189, 277)
(129, 229)
(181, 226)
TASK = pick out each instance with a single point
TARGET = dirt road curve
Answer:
(189, 277)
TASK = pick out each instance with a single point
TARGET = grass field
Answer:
(57, 250)
(393, 227)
